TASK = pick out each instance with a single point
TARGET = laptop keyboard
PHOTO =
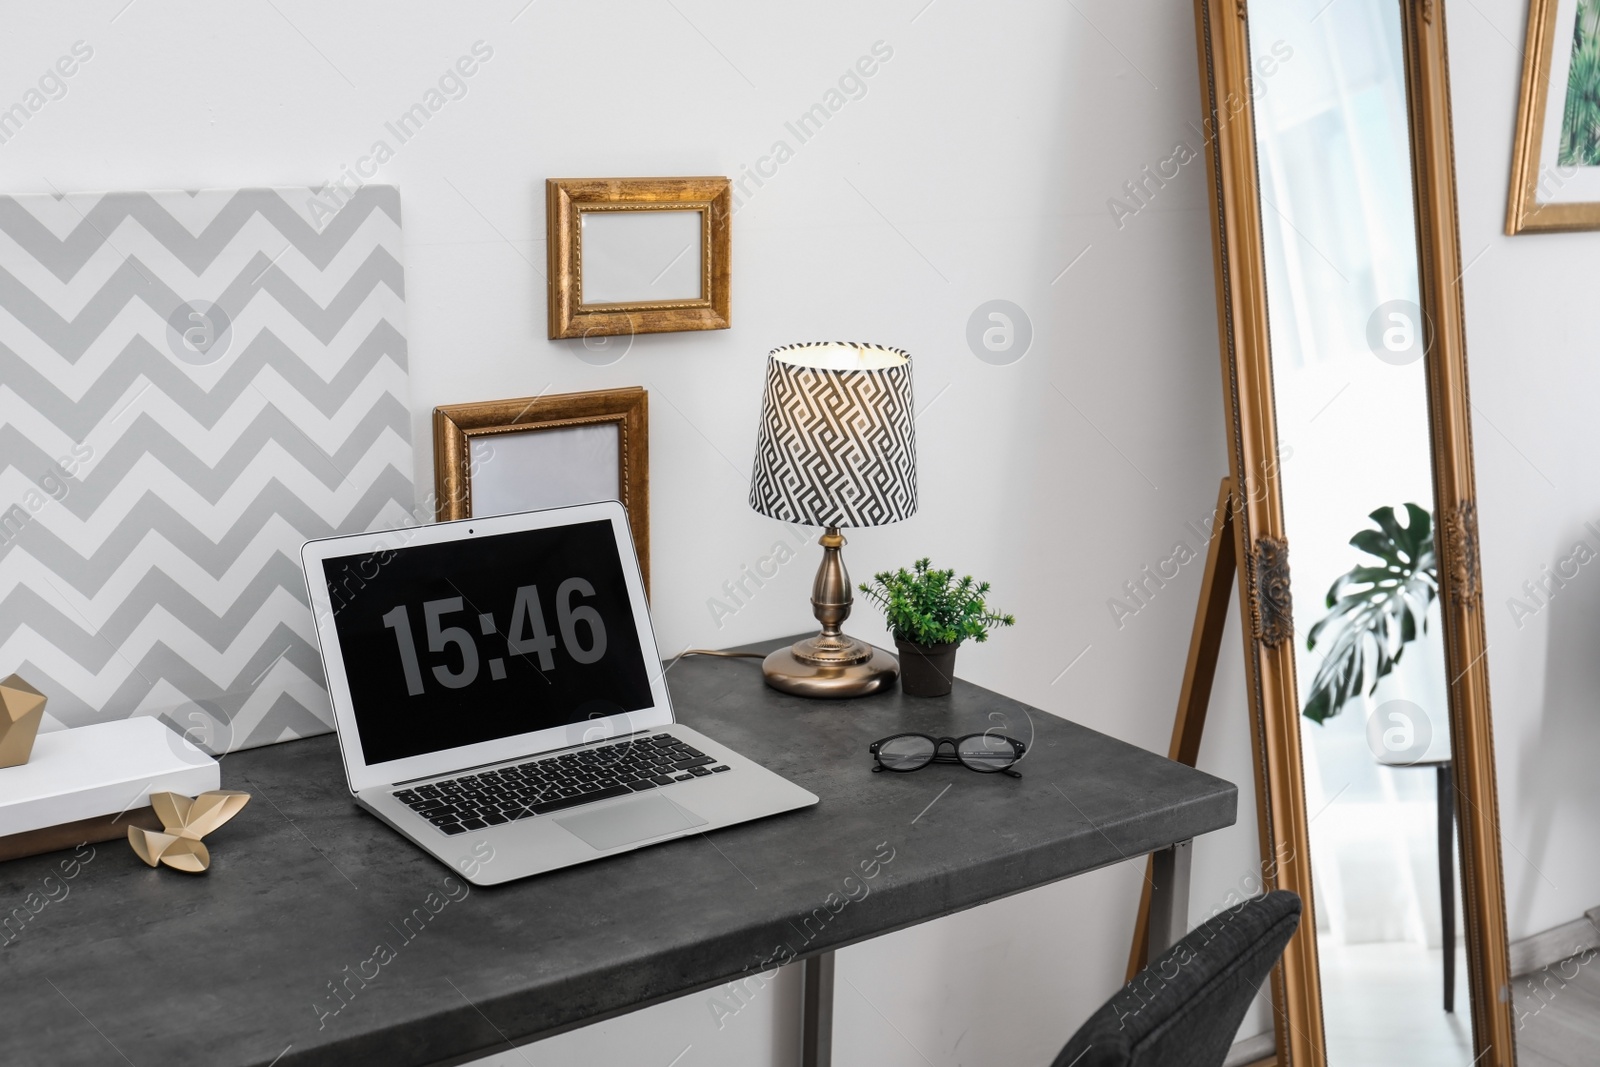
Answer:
(537, 787)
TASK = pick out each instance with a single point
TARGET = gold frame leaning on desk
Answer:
(456, 426)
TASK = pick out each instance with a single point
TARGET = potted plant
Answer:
(930, 613)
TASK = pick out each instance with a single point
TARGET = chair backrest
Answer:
(1184, 1010)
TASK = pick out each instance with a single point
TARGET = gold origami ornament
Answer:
(183, 823)
(21, 712)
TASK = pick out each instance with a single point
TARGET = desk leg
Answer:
(1447, 881)
(1169, 898)
(816, 1011)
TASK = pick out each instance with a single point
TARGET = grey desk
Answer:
(122, 963)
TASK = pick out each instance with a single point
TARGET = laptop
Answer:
(500, 700)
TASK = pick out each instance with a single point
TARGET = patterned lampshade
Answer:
(837, 445)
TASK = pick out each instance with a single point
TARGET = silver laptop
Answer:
(500, 699)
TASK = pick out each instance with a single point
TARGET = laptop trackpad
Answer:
(637, 820)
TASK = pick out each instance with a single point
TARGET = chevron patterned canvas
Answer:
(192, 385)
(837, 444)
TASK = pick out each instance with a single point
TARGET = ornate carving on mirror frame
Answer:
(1271, 606)
(1461, 553)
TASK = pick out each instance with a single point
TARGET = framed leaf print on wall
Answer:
(1555, 167)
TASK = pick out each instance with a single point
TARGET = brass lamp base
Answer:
(831, 664)
(786, 672)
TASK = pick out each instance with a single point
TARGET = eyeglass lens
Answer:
(906, 753)
(986, 752)
(981, 752)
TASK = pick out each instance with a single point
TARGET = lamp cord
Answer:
(715, 652)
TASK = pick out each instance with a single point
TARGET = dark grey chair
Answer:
(1184, 1010)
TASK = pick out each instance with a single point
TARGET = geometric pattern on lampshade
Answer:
(837, 443)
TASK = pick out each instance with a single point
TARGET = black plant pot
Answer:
(927, 670)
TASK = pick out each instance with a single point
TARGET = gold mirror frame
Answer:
(1261, 547)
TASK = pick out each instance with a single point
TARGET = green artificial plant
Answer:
(929, 607)
(1375, 610)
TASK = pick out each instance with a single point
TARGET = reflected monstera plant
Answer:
(1374, 610)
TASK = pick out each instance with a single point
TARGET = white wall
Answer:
(978, 166)
(1532, 340)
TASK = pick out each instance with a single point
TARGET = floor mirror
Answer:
(1332, 194)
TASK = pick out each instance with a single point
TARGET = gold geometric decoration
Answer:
(184, 823)
(21, 711)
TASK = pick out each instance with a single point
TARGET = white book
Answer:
(105, 769)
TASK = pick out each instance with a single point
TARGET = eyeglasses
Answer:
(985, 753)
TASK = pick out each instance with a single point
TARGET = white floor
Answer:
(1383, 1004)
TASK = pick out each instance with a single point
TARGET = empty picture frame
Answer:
(638, 255)
(503, 456)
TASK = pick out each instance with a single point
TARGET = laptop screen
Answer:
(467, 641)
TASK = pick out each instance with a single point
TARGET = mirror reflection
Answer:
(638, 257)
(1348, 374)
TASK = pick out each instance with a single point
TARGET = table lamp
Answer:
(837, 448)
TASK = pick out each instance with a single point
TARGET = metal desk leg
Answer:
(1447, 881)
(816, 1011)
(1169, 897)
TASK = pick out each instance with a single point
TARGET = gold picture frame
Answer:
(1532, 175)
(567, 200)
(562, 427)
(1235, 206)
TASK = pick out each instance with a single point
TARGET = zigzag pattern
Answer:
(836, 448)
(153, 504)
